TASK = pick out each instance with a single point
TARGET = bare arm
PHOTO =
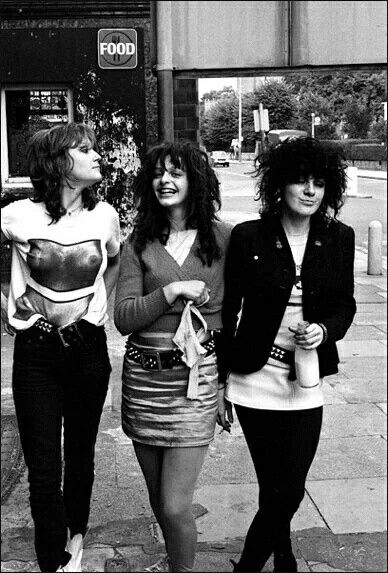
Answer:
(111, 274)
(4, 301)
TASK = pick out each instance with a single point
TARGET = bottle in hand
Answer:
(306, 362)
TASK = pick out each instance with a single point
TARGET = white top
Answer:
(57, 268)
(179, 244)
(270, 388)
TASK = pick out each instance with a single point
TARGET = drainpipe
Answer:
(164, 69)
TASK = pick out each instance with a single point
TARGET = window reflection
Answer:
(27, 112)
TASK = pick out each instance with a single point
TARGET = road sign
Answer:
(261, 120)
(317, 120)
(117, 48)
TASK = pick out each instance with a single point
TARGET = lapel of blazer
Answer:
(316, 243)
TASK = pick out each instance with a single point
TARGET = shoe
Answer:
(75, 548)
(285, 562)
(237, 568)
(163, 565)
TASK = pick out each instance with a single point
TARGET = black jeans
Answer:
(52, 384)
(282, 445)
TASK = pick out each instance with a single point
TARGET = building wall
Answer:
(186, 118)
(63, 50)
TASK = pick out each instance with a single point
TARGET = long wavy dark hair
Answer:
(300, 157)
(49, 165)
(152, 222)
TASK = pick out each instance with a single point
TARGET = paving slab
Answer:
(361, 390)
(364, 332)
(382, 406)
(344, 552)
(231, 508)
(356, 505)
(225, 454)
(362, 348)
(370, 318)
(347, 420)
(331, 394)
(366, 366)
(356, 457)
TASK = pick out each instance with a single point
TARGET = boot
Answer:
(285, 562)
(238, 568)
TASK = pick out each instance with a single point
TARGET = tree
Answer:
(309, 103)
(220, 124)
(358, 119)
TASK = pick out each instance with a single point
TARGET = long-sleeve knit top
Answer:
(140, 303)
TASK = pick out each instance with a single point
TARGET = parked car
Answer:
(219, 158)
(276, 136)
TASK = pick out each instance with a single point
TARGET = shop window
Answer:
(24, 112)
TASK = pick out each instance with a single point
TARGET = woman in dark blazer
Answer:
(290, 273)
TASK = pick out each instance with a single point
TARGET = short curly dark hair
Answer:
(49, 165)
(204, 200)
(300, 157)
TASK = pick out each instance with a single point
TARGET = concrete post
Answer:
(352, 182)
(375, 238)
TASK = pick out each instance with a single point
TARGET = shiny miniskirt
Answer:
(155, 410)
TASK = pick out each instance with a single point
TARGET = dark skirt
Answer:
(156, 411)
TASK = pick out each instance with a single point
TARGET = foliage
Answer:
(114, 130)
(220, 123)
(348, 104)
(357, 119)
(379, 130)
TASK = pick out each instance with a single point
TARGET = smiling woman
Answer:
(290, 274)
(168, 300)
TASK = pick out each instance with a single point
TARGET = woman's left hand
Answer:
(311, 337)
(225, 413)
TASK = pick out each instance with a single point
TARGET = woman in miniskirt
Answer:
(168, 299)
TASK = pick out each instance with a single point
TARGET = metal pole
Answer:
(262, 132)
(164, 70)
(239, 119)
(375, 239)
(313, 125)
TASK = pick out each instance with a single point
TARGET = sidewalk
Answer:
(341, 525)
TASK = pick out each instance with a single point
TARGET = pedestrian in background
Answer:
(293, 269)
(168, 299)
(64, 266)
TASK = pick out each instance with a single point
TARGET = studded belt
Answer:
(71, 335)
(281, 354)
(161, 359)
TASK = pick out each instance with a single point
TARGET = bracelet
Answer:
(324, 330)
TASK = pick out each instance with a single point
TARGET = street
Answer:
(237, 189)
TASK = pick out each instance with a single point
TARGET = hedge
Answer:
(359, 149)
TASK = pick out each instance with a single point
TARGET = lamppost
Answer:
(239, 118)
(313, 125)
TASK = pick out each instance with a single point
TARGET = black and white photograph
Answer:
(193, 251)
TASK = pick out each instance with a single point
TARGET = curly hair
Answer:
(49, 165)
(152, 222)
(300, 157)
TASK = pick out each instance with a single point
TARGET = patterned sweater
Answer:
(140, 303)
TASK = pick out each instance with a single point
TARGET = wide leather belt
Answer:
(281, 354)
(161, 359)
(71, 335)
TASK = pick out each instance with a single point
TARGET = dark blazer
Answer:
(259, 275)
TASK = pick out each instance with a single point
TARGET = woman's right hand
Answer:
(4, 316)
(194, 290)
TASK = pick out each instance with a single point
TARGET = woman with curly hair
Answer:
(64, 266)
(293, 268)
(168, 299)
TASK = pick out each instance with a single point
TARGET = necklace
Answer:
(71, 212)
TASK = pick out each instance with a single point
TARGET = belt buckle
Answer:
(150, 360)
(62, 334)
